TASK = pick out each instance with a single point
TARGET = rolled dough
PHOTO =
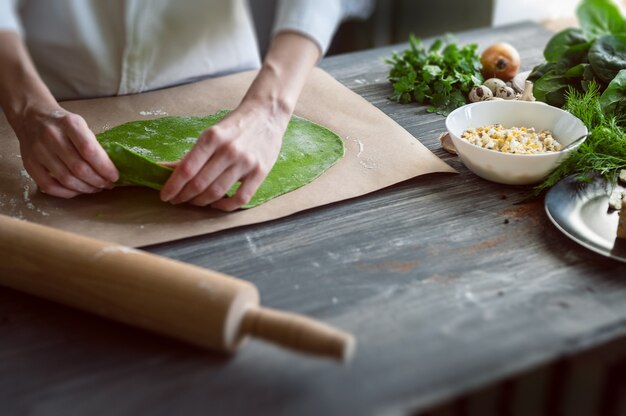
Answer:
(136, 148)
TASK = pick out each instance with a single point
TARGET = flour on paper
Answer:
(158, 112)
(366, 162)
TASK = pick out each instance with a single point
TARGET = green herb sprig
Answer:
(604, 151)
(440, 76)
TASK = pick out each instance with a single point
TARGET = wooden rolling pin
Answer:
(195, 305)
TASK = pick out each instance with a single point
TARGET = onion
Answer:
(500, 61)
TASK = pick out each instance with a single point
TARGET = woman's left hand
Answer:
(242, 147)
(245, 144)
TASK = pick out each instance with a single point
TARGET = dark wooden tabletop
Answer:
(447, 283)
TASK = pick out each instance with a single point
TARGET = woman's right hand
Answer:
(61, 153)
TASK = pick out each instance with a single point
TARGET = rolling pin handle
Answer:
(298, 333)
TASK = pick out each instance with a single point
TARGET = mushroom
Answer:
(527, 95)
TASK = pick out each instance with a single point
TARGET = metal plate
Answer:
(581, 211)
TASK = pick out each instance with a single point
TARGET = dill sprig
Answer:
(604, 151)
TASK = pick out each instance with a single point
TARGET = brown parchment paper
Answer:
(379, 153)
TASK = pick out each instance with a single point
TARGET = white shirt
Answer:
(92, 48)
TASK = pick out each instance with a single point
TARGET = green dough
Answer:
(136, 148)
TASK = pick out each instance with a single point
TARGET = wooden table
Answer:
(447, 283)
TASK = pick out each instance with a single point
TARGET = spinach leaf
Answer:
(572, 56)
(600, 17)
(577, 71)
(607, 56)
(613, 99)
(540, 70)
(589, 79)
(561, 42)
(551, 88)
(583, 57)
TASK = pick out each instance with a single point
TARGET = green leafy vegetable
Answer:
(577, 71)
(613, 99)
(561, 42)
(577, 57)
(600, 17)
(540, 70)
(440, 76)
(604, 151)
(607, 56)
(551, 88)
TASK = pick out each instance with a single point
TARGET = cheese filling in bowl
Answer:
(504, 132)
(518, 140)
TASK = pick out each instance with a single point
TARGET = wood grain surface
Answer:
(446, 281)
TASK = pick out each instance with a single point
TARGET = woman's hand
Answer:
(242, 147)
(245, 144)
(61, 153)
(58, 150)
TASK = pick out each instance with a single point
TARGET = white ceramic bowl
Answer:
(507, 168)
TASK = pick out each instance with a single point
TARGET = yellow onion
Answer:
(500, 60)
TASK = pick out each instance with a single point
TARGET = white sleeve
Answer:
(8, 16)
(318, 19)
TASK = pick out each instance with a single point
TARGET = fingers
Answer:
(56, 169)
(217, 189)
(64, 155)
(206, 181)
(98, 169)
(191, 164)
(216, 177)
(48, 184)
(79, 167)
(243, 146)
(243, 195)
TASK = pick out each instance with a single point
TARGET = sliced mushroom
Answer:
(519, 80)
(527, 95)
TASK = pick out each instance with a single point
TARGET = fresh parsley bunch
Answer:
(440, 76)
